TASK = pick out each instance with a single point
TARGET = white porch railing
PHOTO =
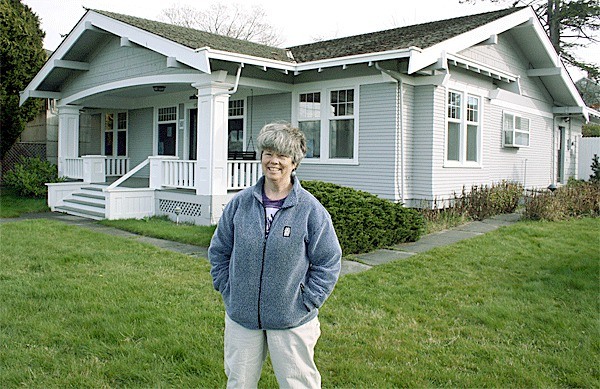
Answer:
(73, 168)
(242, 174)
(117, 166)
(179, 174)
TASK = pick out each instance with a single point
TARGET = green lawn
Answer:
(13, 205)
(517, 307)
(163, 228)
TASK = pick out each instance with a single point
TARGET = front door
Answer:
(167, 138)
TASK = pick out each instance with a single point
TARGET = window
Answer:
(463, 128)
(341, 124)
(516, 131)
(327, 119)
(236, 125)
(115, 134)
(309, 115)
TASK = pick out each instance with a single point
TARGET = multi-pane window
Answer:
(115, 134)
(236, 126)
(167, 114)
(516, 131)
(463, 127)
(341, 124)
(236, 108)
(309, 121)
(328, 122)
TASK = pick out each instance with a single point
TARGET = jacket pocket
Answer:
(306, 304)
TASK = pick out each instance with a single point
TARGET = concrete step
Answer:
(90, 198)
(80, 212)
(92, 205)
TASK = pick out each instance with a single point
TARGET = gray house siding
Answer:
(507, 57)
(140, 137)
(376, 167)
(111, 62)
(266, 109)
(419, 101)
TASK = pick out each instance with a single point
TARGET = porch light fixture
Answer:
(159, 88)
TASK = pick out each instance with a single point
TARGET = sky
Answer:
(297, 22)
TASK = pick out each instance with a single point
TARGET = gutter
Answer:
(399, 125)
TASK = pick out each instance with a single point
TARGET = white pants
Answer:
(292, 355)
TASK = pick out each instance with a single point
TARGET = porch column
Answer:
(211, 171)
(68, 135)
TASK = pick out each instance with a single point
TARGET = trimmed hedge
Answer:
(365, 222)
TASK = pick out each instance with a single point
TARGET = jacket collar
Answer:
(290, 200)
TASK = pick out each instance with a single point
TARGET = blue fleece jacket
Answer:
(280, 281)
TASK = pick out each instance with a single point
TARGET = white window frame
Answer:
(115, 130)
(325, 117)
(514, 130)
(463, 122)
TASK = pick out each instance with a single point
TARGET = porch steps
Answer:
(89, 202)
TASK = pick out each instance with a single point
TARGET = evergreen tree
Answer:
(569, 24)
(595, 176)
(21, 57)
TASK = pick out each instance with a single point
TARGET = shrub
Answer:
(364, 222)
(576, 199)
(29, 176)
(481, 202)
(595, 176)
(484, 201)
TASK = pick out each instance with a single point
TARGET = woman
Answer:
(275, 259)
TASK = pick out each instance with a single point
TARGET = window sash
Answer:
(463, 118)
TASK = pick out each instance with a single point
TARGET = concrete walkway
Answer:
(360, 263)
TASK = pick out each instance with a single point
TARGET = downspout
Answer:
(399, 126)
(237, 82)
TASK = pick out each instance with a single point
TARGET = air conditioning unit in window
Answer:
(515, 138)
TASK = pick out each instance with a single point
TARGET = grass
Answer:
(12, 205)
(163, 228)
(517, 307)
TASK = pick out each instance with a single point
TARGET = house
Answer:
(410, 114)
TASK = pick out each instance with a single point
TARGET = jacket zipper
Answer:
(262, 269)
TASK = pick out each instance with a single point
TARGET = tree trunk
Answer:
(553, 14)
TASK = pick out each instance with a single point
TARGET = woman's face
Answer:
(277, 167)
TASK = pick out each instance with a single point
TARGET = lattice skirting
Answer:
(187, 209)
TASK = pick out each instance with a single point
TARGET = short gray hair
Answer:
(284, 139)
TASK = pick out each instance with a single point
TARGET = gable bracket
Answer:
(541, 72)
(73, 65)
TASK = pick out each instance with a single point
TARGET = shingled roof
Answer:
(419, 35)
(196, 39)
